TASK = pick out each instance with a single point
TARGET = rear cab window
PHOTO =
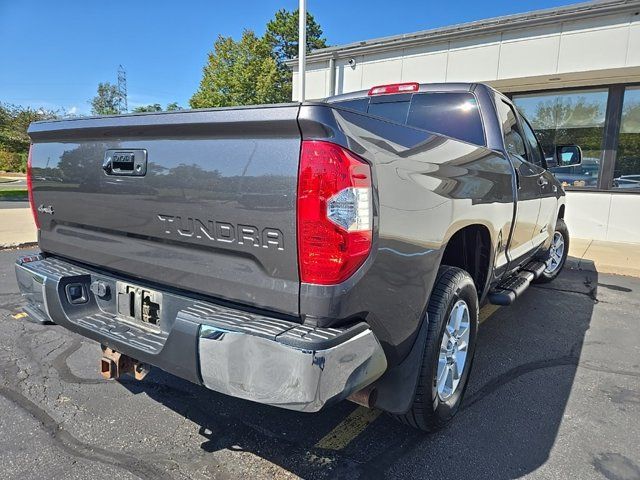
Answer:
(392, 107)
(359, 104)
(453, 114)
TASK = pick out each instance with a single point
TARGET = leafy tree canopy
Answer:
(156, 107)
(282, 35)
(238, 73)
(14, 121)
(252, 70)
(108, 100)
(14, 141)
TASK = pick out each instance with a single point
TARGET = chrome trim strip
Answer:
(32, 288)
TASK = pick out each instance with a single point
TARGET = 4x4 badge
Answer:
(48, 209)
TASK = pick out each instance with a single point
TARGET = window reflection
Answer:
(627, 169)
(569, 117)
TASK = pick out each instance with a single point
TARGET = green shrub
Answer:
(13, 162)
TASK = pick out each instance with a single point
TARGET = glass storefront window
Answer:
(626, 173)
(569, 117)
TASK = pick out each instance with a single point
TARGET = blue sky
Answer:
(54, 53)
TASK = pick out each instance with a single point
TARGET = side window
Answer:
(535, 152)
(513, 141)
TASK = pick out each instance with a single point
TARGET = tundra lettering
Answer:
(190, 227)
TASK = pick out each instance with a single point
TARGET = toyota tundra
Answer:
(299, 254)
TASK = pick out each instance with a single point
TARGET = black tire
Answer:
(428, 411)
(547, 276)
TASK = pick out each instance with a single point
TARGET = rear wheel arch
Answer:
(396, 388)
(428, 409)
(561, 211)
(470, 248)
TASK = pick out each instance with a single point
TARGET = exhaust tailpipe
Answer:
(366, 397)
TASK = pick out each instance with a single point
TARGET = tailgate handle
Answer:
(131, 163)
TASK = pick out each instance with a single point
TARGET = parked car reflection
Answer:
(627, 181)
(584, 175)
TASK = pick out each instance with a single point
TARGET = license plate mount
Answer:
(139, 304)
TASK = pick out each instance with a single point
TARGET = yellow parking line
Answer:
(362, 417)
(348, 429)
(487, 311)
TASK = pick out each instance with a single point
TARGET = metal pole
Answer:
(332, 76)
(302, 47)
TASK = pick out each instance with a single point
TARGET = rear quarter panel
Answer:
(427, 187)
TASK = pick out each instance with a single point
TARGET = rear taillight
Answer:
(34, 210)
(334, 213)
(394, 88)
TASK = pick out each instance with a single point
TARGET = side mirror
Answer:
(567, 155)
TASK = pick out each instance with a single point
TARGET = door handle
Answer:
(132, 163)
(542, 181)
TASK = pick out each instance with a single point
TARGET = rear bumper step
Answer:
(511, 288)
(246, 355)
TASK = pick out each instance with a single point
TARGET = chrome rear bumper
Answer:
(247, 355)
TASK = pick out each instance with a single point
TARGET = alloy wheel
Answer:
(453, 351)
(556, 252)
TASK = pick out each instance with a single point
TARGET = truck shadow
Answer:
(522, 377)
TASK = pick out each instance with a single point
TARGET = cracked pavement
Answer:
(554, 393)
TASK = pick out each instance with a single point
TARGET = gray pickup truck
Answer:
(300, 254)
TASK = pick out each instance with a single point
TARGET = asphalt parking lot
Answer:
(554, 393)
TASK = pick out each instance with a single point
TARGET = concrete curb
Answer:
(16, 246)
(605, 257)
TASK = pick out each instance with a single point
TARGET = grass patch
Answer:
(13, 194)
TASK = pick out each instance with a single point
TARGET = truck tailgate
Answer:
(214, 212)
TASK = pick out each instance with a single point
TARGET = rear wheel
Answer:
(557, 255)
(453, 326)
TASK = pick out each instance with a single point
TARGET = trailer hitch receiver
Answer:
(115, 364)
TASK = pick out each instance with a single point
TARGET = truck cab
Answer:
(480, 115)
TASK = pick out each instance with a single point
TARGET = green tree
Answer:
(155, 107)
(253, 70)
(282, 37)
(107, 101)
(628, 161)
(238, 73)
(570, 121)
(14, 141)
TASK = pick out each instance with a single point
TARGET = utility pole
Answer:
(302, 47)
(122, 89)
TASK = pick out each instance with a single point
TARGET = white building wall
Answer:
(604, 49)
(604, 216)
